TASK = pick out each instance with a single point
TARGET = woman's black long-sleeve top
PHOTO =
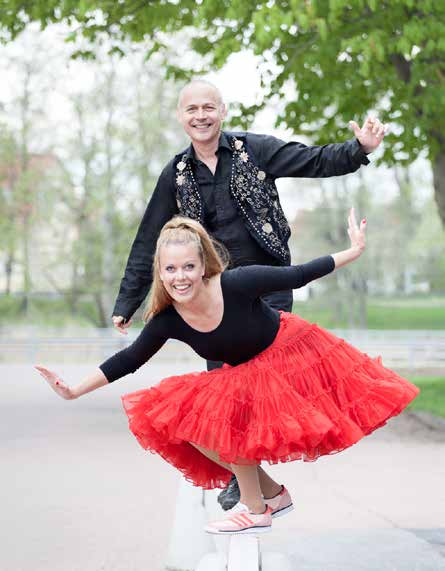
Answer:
(248, 326)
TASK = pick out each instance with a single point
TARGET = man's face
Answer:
(201, 112)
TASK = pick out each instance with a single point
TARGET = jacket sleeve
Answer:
(138, 273)
(293, 159)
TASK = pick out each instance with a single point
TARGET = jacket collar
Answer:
(223, 143)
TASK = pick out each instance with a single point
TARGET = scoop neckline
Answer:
(222, 317)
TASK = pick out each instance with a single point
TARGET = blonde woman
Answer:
(289, 390)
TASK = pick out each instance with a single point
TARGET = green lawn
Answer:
(45, 313)
(400, 317)
(432, 395)
(382, 314)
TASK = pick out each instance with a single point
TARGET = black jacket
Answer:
(277, 158)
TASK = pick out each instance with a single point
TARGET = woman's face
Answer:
(181, 271)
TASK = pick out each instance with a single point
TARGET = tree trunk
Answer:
(108, 214)
(8, 271)
(102, 313)
(26, 263)
(439, 183)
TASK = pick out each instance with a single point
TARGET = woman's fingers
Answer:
(353, 220)
(55, 382)
(44, 372)
(356, 232)
(50, 376)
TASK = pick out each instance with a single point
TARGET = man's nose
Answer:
(201, 114)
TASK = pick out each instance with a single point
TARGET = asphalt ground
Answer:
(79, 494)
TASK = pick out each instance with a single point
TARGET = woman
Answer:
(289, 390)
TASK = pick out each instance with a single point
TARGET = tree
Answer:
(8, 219)
(26, 172)
(327, 60)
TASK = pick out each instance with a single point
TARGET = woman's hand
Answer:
(56, 383)
(357, 236)
(356, 233)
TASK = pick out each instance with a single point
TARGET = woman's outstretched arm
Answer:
(255, 281)
(126, 361)
(91, 383)
(357, 236)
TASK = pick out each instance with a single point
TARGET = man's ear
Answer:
(223, 110)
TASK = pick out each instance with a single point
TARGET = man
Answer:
(227, 181)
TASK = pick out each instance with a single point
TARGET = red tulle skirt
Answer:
(307, 395)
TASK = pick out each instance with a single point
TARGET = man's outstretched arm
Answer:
(293, 159)
(138, 273)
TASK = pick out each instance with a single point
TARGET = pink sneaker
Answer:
(281, 504)
(241, 521)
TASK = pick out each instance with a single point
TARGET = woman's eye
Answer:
(190, 266)
(169, 268)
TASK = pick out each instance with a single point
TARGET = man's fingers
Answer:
(355, 127)
(376, 126)
(120, 323)
(381, 131)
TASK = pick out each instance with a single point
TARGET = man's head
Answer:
(201, 111)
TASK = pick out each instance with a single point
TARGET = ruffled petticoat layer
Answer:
(307, 395)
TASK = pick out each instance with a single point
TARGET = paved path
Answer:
(378, 506)
(78, 494)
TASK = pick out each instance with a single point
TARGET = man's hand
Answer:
(371, 134)
(120, 323)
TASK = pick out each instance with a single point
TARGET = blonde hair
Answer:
(182, 230)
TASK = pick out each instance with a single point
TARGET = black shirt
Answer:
(277, 158)
(228, 342)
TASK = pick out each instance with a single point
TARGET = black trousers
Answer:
(279, 300)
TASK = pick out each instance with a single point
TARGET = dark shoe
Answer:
(229, 497)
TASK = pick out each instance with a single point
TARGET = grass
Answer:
(382, 314)
(45, 313)
(413, 317)
(432, 395)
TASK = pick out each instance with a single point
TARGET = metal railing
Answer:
(399, 349)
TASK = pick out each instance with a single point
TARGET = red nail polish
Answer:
(57, 383)
(364, 220)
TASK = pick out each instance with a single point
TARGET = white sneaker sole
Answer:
(283, 511)
(249, 530)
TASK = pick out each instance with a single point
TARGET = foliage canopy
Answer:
(328, 61)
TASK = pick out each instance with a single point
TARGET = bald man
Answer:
(226, 180)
